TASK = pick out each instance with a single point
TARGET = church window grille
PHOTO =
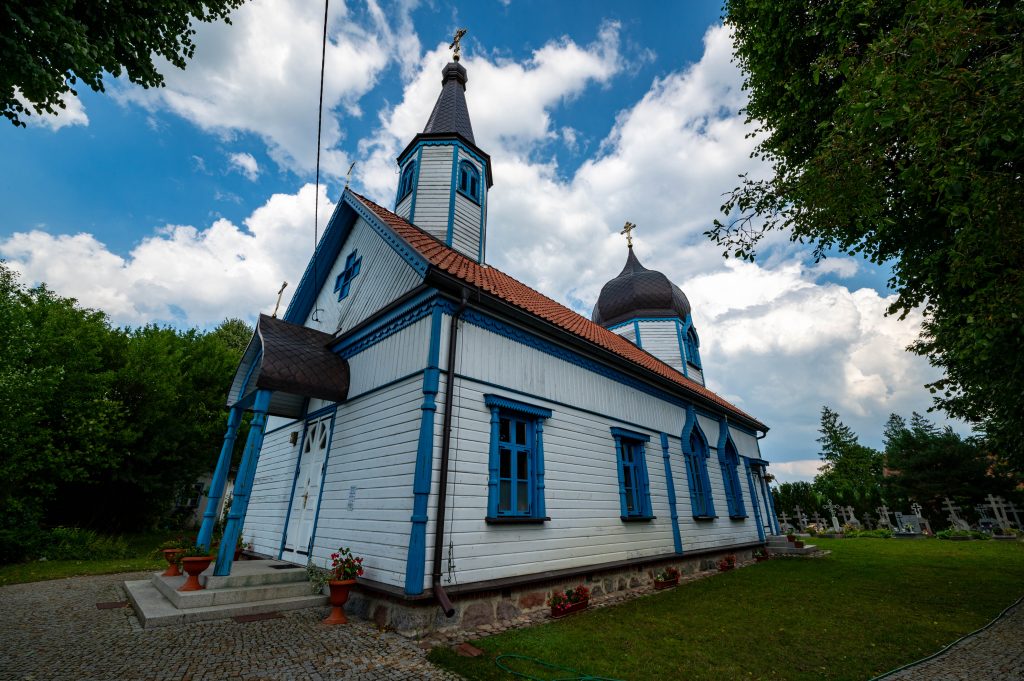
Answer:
(634, 485)
(516, 475)
(692, 344)
(729, 463)
(469, 181)
(408, 176)
(696, 457)
(353, 263)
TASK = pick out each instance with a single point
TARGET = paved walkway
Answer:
(995, 654)
(53, 630)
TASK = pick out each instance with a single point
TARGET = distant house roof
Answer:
(518, 294)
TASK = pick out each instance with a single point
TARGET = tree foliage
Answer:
(851, 474)
(102, 426)
(894, 131)
(48, 47)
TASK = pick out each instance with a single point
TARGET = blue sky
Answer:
(189, 204)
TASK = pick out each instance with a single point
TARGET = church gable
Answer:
(359, 268)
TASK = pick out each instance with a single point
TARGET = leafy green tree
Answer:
(789, 495)
(926, 463)
(894, 131)
(851, 473)
(47, 47)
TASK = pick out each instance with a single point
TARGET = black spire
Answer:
(450, 114)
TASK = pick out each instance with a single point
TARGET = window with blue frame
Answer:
(408, 177)
(692, 344)
(469, 181)
(729, 462)
(353, 263)
(695, 454)
(516, 466)
(634, 485)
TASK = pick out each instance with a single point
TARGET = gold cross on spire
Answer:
(627, 231)
(456, 43)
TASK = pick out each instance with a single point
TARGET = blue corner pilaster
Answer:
(541, 510)
(416, 559)
(220, 479)
(770, 503)
(623, 508)
(753, 500)
(677, 539)
(243, 484)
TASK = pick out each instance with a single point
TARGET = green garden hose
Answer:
(548, 667)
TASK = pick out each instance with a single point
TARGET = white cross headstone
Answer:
(831, 508)
(801, 519)
(883, 516)
(786, 527)
(953, 517)
(998, 505)
(849, 516)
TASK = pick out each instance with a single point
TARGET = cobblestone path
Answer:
(995, 654)
(53, 630)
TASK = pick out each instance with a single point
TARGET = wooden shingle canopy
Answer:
(292, 361)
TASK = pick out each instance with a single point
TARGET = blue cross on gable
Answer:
(344, 280)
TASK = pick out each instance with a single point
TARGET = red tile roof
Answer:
(520, 295)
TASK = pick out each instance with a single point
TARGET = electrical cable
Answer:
(319, 128)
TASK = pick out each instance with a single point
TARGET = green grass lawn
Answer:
(142, 557)
(871, 606)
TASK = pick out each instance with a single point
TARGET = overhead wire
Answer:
(319, 130)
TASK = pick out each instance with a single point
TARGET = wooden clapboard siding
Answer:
(466, 222)
(271, 489)
(404, 206)
(627, 331)
(434, 189)
(373, 449)
(383, 277)
(661, 339)
(392, 358)
(695, 373)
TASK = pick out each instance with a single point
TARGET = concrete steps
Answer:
(254, 587)
(780, 546)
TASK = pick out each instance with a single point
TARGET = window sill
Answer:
(704, 517)
(637, 518)
(738, 517)
(515, 520)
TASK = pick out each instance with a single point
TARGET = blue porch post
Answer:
(220, 479)
(243, 484)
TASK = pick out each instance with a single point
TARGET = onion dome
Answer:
(639, 292)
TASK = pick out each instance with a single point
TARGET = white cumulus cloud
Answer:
(245, 164)
(72, 113)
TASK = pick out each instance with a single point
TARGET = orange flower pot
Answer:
(339, 596)
(171, 556)
(194, 566)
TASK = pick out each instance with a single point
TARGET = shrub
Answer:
(76, 543)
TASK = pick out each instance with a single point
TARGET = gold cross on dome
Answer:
(627, 231)
(456, 43)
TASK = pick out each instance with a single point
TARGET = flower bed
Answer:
(569, 601)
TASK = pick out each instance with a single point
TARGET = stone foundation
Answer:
(499, 609)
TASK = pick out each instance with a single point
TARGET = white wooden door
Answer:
(307, 487)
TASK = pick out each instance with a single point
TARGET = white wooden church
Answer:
(468, 436)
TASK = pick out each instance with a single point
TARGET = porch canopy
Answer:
(294, 363)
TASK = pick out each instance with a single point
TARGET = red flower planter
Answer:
(666, 584)
(194, 566)
(557, 612)
(339, 596)
(798, 544)
(171, 556)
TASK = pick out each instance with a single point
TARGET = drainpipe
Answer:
(446, 432)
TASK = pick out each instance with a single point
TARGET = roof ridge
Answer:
(461, 266)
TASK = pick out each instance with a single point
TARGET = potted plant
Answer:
(727, 563)
(760, 555)
(194, 559)
(240, 546)
(798, 544)
(340, 578)
(667, 578)
(791, 536)
(172, 550)
(569, 601)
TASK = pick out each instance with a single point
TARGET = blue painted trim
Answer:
(483, 218)
(677, 539)
(519, 335)
(408, 253)
(502, 402)
(682, 351)
(295, 482)
(771, 505)
(443, 143)
(388, 325)
(753, 501)
(538, 505)
(492, 465)
(623, 510)
(323, 479)
(697, 465)
(415, 186)
(473, 174)
(730, 476)
(415, 565)
(412, 169)
(220, 479)
(243, 484)
(451, 195)
(636, 330)
(630, 434)
(642, 319)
